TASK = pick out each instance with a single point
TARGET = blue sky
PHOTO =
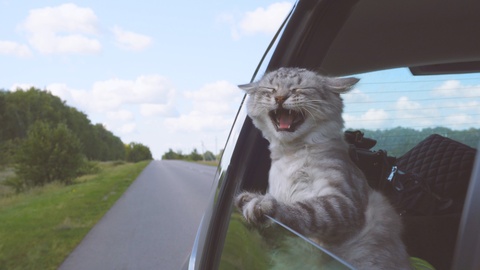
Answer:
(164, 73)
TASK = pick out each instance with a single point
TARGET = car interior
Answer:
(396, 34)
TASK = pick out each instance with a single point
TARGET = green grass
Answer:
(209, 163)
(244, 248)
(41, 227)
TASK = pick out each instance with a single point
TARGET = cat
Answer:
(314, 187)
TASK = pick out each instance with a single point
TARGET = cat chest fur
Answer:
(292, 178)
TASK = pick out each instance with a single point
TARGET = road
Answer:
(153, 225)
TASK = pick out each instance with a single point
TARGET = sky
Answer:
(165, 73)
(160, 73)
(392, 98)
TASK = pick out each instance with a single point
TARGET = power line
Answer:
(387, 91)
(420, 99)
(422, 109)
(417, 81)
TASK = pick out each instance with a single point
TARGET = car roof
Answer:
(355, 36)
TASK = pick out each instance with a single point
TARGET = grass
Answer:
(244, 248)
(41, 227)
(209, 163)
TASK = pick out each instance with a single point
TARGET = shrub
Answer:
(136, 152)
(49, 154)
(88, 167)
(15, 183)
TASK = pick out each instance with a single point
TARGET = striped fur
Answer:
(313, 185)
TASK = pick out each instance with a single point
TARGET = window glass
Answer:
(399, 109)
(272, 247)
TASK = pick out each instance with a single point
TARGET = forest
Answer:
(38, 130)
(19, 110)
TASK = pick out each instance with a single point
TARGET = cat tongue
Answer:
(285, 120)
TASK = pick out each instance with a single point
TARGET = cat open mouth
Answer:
(286, 120)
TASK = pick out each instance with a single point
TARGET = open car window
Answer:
(273, 247)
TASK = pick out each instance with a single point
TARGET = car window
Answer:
(272, 247)
(399, 110)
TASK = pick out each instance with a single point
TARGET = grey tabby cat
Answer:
(313, 185)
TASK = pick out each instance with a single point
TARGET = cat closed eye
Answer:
(269, 89)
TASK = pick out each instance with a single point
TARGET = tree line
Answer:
(193, 156)
(399, 140)
(396, 141)
(48, 141)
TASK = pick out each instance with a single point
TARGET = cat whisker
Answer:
(311, 108)
(310, 113)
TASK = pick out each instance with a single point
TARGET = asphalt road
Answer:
(153, 225)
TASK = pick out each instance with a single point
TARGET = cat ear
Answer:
(248, 88)
(341, 85)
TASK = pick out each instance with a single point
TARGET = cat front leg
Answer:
(255, 206)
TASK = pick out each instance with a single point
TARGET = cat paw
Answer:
(254, 206)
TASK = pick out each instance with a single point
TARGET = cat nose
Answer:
(280, 99)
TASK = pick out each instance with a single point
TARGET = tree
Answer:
(136, 152)
(195, 156)
(173, 155)
(49, 154)
(209, 156)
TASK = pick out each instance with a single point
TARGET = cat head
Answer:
(292, 103)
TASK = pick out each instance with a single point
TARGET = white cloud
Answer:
(455, 88)
(74, 97)
(131, 41)
(461, 121)
(152, 95)
(215, 97)
(128, 128)
(414, 114)
(152, 109)
(15, 49)
(261, 20)
(111, 94)
(62, 29)
(371, 119)
(264, 20)
(214, 107)
(122, 115)
(124, 106)
(404, 103)
(197, 121)
(448, 88)
(356, 96)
